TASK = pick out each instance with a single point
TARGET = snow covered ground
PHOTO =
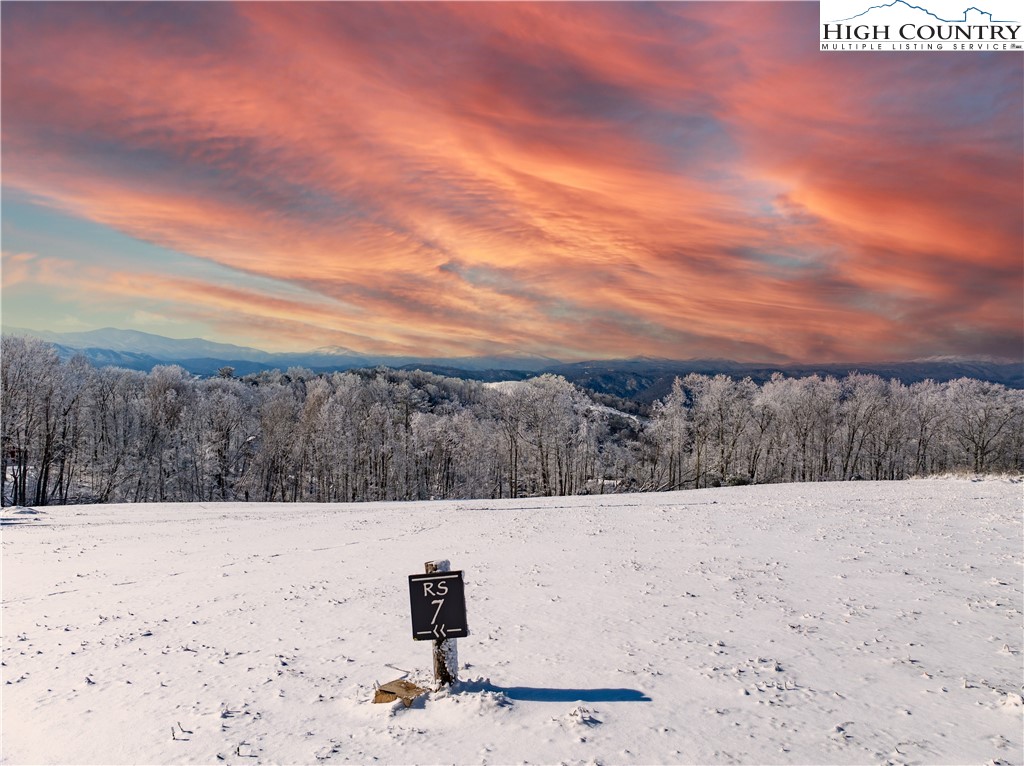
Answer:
(826, 623)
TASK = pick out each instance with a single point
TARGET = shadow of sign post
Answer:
(552, 694)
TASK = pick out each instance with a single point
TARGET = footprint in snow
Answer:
(839, 732)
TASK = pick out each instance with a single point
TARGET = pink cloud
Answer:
(600, 179)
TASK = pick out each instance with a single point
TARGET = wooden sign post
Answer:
(439, 614)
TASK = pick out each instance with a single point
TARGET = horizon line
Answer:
(7, 329)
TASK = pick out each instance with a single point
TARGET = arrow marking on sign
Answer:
(439, 631)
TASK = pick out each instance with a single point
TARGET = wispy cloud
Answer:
(572, 179)
(17, 267)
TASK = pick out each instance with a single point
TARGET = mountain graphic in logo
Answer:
(903, 5)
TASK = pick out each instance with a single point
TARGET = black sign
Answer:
(438, 606)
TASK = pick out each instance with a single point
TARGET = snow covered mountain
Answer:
(145, 344)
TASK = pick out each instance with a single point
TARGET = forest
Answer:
(76, 433)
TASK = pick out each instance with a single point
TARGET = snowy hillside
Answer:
(805, 623)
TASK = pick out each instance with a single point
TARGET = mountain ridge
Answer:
(641, 378)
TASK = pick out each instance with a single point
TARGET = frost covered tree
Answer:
(167, 392)
(983, 420)
(720, 417)
(41, 403)
(669, 437)
(74, 433)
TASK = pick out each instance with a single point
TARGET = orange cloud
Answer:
(576, 180)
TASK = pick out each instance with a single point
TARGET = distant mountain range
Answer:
(647, 380)
(643, 379)
(142, 350)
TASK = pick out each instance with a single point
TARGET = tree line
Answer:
(75, 433)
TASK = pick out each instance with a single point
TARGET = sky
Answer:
(573, 180)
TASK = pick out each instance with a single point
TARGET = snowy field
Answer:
(825, 623)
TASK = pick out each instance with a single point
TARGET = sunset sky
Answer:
(578, 180)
